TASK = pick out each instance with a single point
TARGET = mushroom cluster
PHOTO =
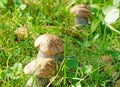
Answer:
(81, 13)
(44, 66)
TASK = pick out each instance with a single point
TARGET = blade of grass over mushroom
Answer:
(60, 69)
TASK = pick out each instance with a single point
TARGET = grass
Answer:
(83, 50)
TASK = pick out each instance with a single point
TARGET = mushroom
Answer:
(117, 83)
(106, 59)
(42, 68)
(81, 13)
(108, 68)
(48, 45)
(21, 33)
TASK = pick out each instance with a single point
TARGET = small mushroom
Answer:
(117, 83)
(108, 68)
(49, 45)
(81, 13)
(21, 33)
(106, 59)
(42, 68)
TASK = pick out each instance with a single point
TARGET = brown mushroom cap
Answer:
(80, 10)
(107, 59)
(47, 68)
(49, 44)
(41, 67)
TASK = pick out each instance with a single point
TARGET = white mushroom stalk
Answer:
(81, 13)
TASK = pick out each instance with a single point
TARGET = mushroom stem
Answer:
(37, 82)
(79, 21)
(30, 82)
(41, 54)
(42, 82)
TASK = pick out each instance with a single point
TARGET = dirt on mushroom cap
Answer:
(49, 44)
